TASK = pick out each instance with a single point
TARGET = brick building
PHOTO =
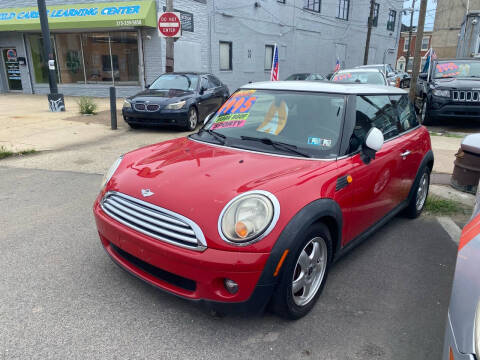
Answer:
(403, 49)
(100, 43)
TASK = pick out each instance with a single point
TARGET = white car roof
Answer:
(360, 70)
(325, 87)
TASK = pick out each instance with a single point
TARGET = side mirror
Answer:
(202, 90)
(207, 119)
(373, 143)
(147, 86)
(423, 76)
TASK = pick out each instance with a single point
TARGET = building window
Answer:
(376, 10)
(406, 44)
(89, 58)
(425, 43)
(410, 64)
(401, 64)
(313, 5)
(343, 9)
(281, 1)
(269, 56)
(225, 55)
(392, 17)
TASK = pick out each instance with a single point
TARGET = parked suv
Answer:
(450, 90)
(280, 182)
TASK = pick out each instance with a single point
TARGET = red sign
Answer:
(169, 24)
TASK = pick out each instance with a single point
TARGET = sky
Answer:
(430, 18)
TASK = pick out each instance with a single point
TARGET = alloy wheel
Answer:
(309, 271)
(192, 118)
(422, 192)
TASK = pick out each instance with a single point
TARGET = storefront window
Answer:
(124, 47)
(90, 58)
(70, 62)
(39, 64)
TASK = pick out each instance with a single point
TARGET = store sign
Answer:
(186, 19)
(92, 15)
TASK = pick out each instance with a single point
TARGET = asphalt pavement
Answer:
(61, 297)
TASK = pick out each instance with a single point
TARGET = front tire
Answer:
(420, 194)
(192, 119)
(304, 274)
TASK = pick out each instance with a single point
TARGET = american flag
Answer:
(337, 65)
(274, 72)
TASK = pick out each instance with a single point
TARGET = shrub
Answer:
(87, 105)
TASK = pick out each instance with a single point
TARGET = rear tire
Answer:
(420, 194)
(306, 269)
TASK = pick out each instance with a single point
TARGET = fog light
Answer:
(231, 286)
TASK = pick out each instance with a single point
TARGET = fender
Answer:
(426, 161)
(292, 233)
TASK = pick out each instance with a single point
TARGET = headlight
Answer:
(442, 93)
(108, 175)
(477, 331)
(127, 104)
(249, 217)
(176, 106)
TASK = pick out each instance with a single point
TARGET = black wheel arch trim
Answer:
(291, 234)
(427, 159)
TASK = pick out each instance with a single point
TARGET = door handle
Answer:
(405, 154)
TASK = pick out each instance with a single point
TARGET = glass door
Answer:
(12, 68)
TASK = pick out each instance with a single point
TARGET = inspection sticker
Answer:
(319, 142)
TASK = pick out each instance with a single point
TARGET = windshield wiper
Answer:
(277, 144)
(219, 137)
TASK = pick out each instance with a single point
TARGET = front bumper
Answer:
(156, 118)
(450, 344)
(444, 108)
(187, 273)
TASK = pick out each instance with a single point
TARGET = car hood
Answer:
(197, 179)
(453, 83)
(161, 96)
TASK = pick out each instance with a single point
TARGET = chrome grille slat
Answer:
(149, 212)
(150, 220)
(466, 95)
(154, 221)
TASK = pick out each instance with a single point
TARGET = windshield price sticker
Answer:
(441, 68)
(237, 104)
(342, 77)
(228, 124)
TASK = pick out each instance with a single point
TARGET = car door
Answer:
(205, 102)
(218, 92)
(412, 145)
(375, 186)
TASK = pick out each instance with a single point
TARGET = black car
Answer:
(179, 99)
(450, 90)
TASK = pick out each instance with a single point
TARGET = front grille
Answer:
(153, 107)
(154, 221)
(161, 274)
(466, 95)
(139, 107)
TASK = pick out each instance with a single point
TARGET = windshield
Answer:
(361, 77)
(304, 123)
(378, 67)
(457, 69)
(297, 77)
(186, 82)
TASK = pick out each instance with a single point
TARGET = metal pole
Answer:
(369, 32)
(56, 101)
(410, 37)
(169, 49)
(113, 108)
(418, 46)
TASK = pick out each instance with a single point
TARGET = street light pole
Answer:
(369, 32)
(55, 100)
(410, 36)
(169, 49)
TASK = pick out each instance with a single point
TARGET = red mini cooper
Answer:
(280, 182)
